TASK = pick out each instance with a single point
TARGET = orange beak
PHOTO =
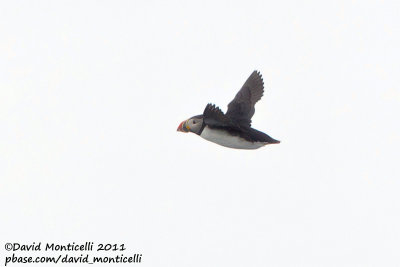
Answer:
(183, 127)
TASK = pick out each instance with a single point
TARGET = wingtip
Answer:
(258, 73)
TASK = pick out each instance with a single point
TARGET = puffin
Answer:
(232, 129)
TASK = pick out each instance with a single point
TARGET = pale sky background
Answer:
(91, 94)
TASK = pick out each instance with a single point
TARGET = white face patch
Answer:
(195, 124)
(222, 138)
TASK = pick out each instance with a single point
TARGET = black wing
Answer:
(214, 117)
(241, 108)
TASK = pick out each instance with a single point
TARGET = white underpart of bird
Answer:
(223, 138)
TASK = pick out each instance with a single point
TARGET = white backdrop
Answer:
(91, 94)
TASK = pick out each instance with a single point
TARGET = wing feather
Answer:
(241, 108)
(213, 116)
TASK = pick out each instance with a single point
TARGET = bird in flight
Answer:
(232, 129)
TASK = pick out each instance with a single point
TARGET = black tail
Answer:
(261, 137)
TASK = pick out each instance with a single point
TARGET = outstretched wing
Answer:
(241, 108)
(213, 116)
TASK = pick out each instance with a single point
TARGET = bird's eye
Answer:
(194, 122)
